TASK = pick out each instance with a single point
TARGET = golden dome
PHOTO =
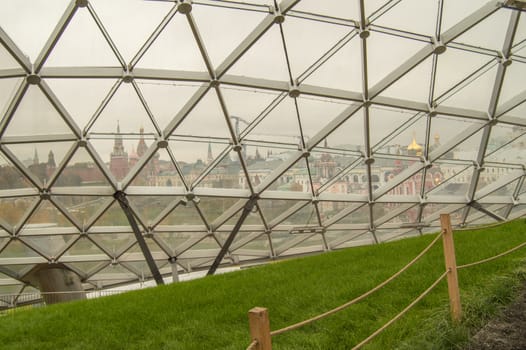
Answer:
(414, 146)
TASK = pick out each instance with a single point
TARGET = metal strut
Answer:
(476, 205)
(246, 210)
(123, 201)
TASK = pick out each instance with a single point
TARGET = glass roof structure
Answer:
(246, 131)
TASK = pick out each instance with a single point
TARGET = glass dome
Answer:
(238, 132)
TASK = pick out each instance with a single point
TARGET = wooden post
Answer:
(451, 266)
(260, 328)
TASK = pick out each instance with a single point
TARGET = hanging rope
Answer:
(357, 299)
(402, 313)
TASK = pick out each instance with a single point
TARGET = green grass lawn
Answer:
(211, 313)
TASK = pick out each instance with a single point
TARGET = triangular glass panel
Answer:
(348, 238)
(35, 107)
(316, 113)
(125, 33)
(114, 217)
(93, 92)
(353, 179)
(175, 48)
(336, 8)
(492, 174)
(141, 268)
(265, 59)
(153, 247)
(414, 85)
(84, 246)
(313, 243)
(82, 44)
(11, 178)
(296, 179)
(409, 187)
(113, 274)
(262, 160)
(384, 210)
(523, 188)
(126, 103)
(82, 208)
(349, 135)
(258, 245)
(149, 207)
(173, 240)
(307, 41)
(330, 209)
(382, 64)
(245, 105)
(208, 112)
(194, 157)
(158, 171)
(227, 174)
(341, 70)
(373, 6)
(475, 93)
(517, 211)
(14, 209)
(445, 128)
(207, 247)
(325, 164)
(50, 246)
(457, 178)
(392, 131)
(213, 207)
(453, 66)
(454, 11)
(16, 249)
(31, 31)
(157, 93)
(184, 215)
(423, 23)
(84, 267)
(506, 144)
(253, 218)
(8, 89)
(441, 172)
(513, 82)
(81, 170)
(432, 211)
(496, 24)
(45, 217)
(306, 216)
(43, 166)
(280, 125)
(114, 243)
(6, 60)
(272, 208)
(229, 28)
(358, 216)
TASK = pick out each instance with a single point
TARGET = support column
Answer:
(56, 283)
(175, 271)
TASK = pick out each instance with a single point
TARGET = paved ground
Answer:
(507, 332)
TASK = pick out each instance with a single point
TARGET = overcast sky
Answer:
(130, 22)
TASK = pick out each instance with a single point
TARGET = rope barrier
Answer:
(252, 346)
(492, 258)
(402, 313)
(359, 298)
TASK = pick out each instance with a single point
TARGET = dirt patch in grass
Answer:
(507, 331)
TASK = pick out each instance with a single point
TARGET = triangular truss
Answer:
(242, 132)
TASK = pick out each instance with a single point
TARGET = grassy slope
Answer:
(211, 313)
